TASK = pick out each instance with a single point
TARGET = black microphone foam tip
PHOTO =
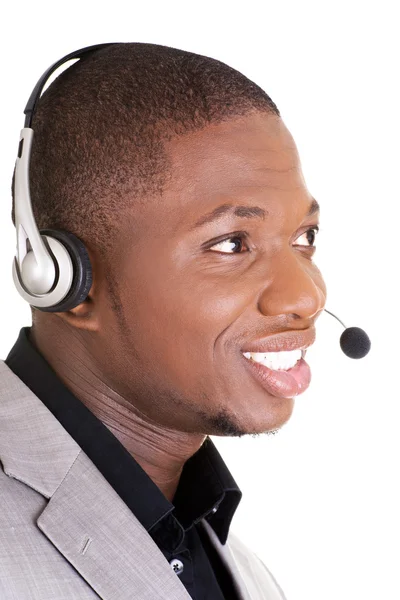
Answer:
(355, 343)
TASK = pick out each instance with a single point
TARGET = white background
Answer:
(321, 498)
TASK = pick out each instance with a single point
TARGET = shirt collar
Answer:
(205, 484)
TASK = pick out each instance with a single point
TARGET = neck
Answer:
(161, 452)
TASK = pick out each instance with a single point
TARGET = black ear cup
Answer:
(82, 279)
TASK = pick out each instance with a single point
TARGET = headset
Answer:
(51, 269)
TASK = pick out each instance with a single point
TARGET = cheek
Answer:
(175, 322)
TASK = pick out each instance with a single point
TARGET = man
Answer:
(181, 179)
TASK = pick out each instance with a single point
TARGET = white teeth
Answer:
(278, 361)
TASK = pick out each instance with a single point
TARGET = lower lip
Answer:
(282, 384)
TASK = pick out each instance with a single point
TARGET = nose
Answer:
(295, 288)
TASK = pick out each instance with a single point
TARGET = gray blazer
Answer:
(64, 531)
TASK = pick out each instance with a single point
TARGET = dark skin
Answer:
(172, 372)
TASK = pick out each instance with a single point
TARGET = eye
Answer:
(311, 235)
(235, 241)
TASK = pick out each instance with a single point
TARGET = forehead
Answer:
(246, 155)
(257, 142)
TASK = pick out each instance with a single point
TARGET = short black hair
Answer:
(100, 127)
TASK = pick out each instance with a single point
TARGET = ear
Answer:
(86, 314)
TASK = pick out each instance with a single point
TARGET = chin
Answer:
(226, 423)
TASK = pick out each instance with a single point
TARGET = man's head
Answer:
(133, 146)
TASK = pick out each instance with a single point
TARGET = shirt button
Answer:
(214, 510)
(177, 565)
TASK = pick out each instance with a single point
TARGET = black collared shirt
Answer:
(206, 488)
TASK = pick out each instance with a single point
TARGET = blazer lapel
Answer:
(230, 563)
(252, 579)
(85, 519)
(97, 533)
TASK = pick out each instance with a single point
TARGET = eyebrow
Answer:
(249, 212)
